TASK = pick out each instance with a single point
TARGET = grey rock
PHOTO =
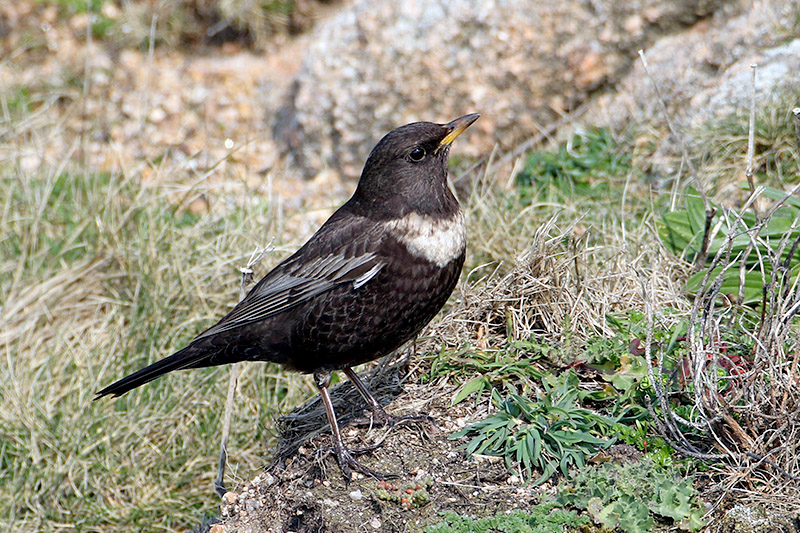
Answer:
(704, 73)
(382, 63)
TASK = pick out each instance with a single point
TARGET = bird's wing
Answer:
(294, 282)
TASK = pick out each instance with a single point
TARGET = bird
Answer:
(371, 277)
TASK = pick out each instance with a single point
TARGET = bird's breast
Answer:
(439, 240)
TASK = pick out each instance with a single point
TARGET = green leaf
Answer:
(676, 232)
(537, 446)
(547, 473)
(777, 194)
(473, 445)
(696, 212)
(753, 284)
(472, 386)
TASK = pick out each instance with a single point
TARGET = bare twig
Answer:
(674, 132)
(247, 277)
(676, 445)
(545, 133)
(761, 458)
(751, 133)
(702, 256)
(766, 391)
(86, 80)
(796, 113)
(701, 189)
(144, 103)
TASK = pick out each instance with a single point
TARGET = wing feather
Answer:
(293, 283)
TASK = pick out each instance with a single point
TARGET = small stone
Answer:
(375, 523)
(157, 115)
(356, 494)
(230, 498)
(634, 24)
(198, 95)
(217, 528)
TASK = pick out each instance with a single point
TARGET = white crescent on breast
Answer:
(439, 240)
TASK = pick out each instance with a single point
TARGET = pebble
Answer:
(375, 523)
(157, 115)
(356, 494)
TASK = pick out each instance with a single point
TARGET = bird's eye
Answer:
(417, 154)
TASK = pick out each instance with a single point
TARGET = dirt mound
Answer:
(305, 492)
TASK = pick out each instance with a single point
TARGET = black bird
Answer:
(367, 281)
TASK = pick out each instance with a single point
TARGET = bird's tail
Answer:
(190, 357)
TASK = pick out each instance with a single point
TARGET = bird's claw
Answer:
(348, 464)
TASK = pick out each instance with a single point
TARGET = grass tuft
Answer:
(99, 277)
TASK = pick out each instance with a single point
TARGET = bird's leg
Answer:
(344, 457)
(379, 415)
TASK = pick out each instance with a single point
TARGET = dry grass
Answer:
(566, 277)
(99, 276)
(744, 407)
(102, 274)
(558, 269)
(253, 22)
(722, 147)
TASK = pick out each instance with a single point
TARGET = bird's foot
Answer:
(348, 463)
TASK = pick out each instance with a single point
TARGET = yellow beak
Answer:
(456, 127)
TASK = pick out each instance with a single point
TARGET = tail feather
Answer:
(189, 357)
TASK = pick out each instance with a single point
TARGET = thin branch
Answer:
(702, 255)
(773, 464)
(144, 102)
(674, 132)
(710, 211)
(247, 277)
(796, 113)
(86, 80)
(751, 135)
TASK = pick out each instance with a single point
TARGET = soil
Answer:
(188, 120)
(306, 492)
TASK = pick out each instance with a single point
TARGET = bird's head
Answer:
(407, 169)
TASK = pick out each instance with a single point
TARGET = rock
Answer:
(752, 519)
(378, 64)
(704, 73)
